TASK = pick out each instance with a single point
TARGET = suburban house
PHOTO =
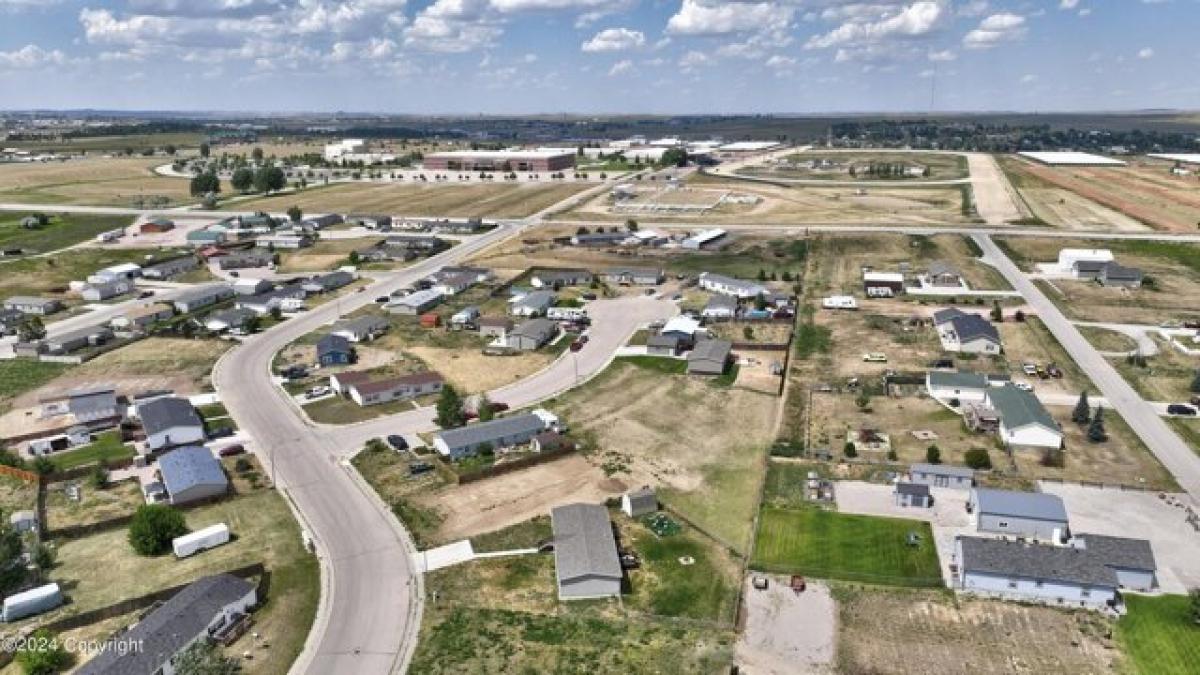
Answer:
(123, 271)
(90, 336)
(362, 329)
(494, 326)
(912, 495)
(1023, 419)
(233, 319)
(738, 288)
(170, 421)
(942, 475)
(323, 221)
(287, 298)
(95, 407)
(191, 473)
(327, 282)
(1088, 576)
(9, 320)
(170, 268)
(942, 274)
(245, 260)
(557, 278)
(206, 609)
(283, 240)
(417, 244)
(32, 305)
(720, 307)
(1120, 276)
(968, 333)
(334, 350)
(534, 303)
(883, 284)
(498, 433)
(384, 252)
(453, 283)
(633, 276)
(416, 302)
(251, 286)
(372, 392)
(341, 382)
(206, 237)
(202, 297)
(1032, 515)
(139, 318)
(964, 385)
(1069, 259)
(709, 357)
(663, 345)
(105, 290)
(532, 334)
(586, 563)
(638, 503)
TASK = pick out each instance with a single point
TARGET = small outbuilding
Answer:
(639, 502)
(912, 495)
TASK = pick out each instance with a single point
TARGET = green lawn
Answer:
(661, 364)
(1159, 636)
(20, 375)
(833, 545)
(772, 257)
(107, 446)
(64, 229)
(705, 589)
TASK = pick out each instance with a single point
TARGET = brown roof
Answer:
(426, 377)
(352, 377)
(494, 321)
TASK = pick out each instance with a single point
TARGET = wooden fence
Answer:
(516, 464)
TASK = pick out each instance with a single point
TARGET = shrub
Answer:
(153, 527)
(978, 459)
(849, 450)
(933, 455)
(43, 654)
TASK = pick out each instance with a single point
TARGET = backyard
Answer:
(1159, 635)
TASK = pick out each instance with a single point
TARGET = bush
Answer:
(153, 527)
(43, 654)
(933, 455)
(242, 465)
(849, 450)
(978, 459)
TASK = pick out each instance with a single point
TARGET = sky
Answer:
(600, 56)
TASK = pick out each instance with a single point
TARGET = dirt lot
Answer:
(940, 166)
(929, 633)
(472, 371)
(1051, 201)
(323, 255)
(498, 200)
(787, 632)
(93, 181)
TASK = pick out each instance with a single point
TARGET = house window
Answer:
(1002, 523)
(1038, 583)
(1012, 583)
(1085, 592)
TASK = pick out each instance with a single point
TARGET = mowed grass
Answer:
(107, 447)
(832, 545)
(18, 376)
(1159, 635)
(495, 200)
(64, 229)
(706, 589)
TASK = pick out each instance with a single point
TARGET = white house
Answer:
(1069, 258)
(740, 288)
(170, 421)
(1023, 419)
(963, 385)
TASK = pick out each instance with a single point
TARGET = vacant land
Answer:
(1166, 376)
(64, 229)
(1159, 635)
(831, 545)
(93, 181)
(1189, 431)
(499, 200)
(922, 632)
(839, 166)
(1107, 340)
(18, 376)
(1058, 206)
(323, 255)
(707, 468)
(471, 371)
(111, 144)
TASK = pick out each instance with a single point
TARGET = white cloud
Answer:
(694, 59)
(621, 68)
(1028, 78)
(707, 17)
(30, 56)
(915, 20)
(102, 26)
(615, 40)
(1146, 53)
(452, 26)
(997, 28)
(1068, 4)
(513, 6)
(943, 55)
(778, 62)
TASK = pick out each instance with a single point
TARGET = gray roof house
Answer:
(534, 303)
(229, 319)
(720, 307)
(71, 341)
(942, 475)
(327, 282)
(561, 277)
(942, 273)
(586, 564)
(1118, 275)
(1023, 419)
(9, 320)
(202, 609)
(362, 329)
(33, 305)
(532, 334)
(170, 268)
(1035, 515)
(170, 421)
(415, 303)
(505, 431)
(663, 345)
(912, 495)
(191, 473)
(105, 289)
(202, 297)
(962, 332)
(635, 276)
(709, 357)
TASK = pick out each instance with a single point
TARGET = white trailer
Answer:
(840, 302)
(200, 540)
(566, 313)
(32, 601)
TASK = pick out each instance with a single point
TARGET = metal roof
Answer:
(584, 545)
(1035, 561)
(171, 627)
(1019, 408)
(943, 315)
(1031, 505)
(486, 432)
(914, 489)
(164, 413)
(962, 379)
(969, 327)
(943, 470)
(189, 466)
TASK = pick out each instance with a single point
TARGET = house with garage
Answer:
(334, 350)
(453, 283)
(1131, 559)
(684, 328)
(206, 609)
(416, 302)
(284, 299)
(530, 335)
(498, 433)
(586, 562)
(1031, 515)
(362, 329)
(326, 283)
(170, 421)
(913, 495)
(738, 288)
(967, 333)
(1080, 261)
(123, 271)
(720, 308)
(1119, 276)
(494, 326)
(374, 392)
(33, 305)
(245, 260)
(883, 284)
(143, 316)
(191, 473)
(283, 240)
(942, 274)
(105, 290)
(558, 278)
(202, 297)
(1024, 421)
(170, 268)
(964, 385)
(633, 276)
(942, 476)
(80, 338)
(533, 303)
(709, 357)
(233, 320)
(663, 345)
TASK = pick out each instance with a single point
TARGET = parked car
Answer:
(314, 392)
(220, 432)
(576, 346)
(589, 296)
(382, 299)
(397, 441)
(1054, 371)
(1181, 409)
(145, 294)
(1029, 369)
(231, 450)
(1023, 386)
(418, 468)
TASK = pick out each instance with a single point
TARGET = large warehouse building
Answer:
(501, 160)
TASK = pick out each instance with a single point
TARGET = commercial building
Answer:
(501, 160)
(705, 239)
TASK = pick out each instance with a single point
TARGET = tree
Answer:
(978, 459)
(862, 401)
(252, 324)
(44, 557)
(12, 568)
(1095, 430)
(631, 225)
(748, 332)
(1019, 316)
(205, 151)
(933, 455)
(762, 274)
(850, 450)
(99, 476)
(450, 411)
(1083, 411)
(31, 329)
(257, 155)
(673, 157)
(242, 179)
(276, 313)
(997, 313)
(43, 654)
(295, 213)
(354, 257)
(153, 527)
(202, 658)
(170, 149)
(204, 183)
(1195, 595)
(43, 466)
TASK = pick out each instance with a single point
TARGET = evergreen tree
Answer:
(1095, 431)
(1083, 411)
(1196, 383)
(450, 411)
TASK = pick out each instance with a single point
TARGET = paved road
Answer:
(1141, 416)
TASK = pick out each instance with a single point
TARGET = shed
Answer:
(638, 503)
(912, 494)
(23, 521)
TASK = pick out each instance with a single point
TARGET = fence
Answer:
(27, 476)
(1101, 486)
(77, 531)
(81, 471)
(762, 346)
(522, 463)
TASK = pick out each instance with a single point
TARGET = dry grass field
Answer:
(93, 181)
(184, 364)
(1107, 340)
(472, 371)
(498, 200)
(929, 633)
(837, 261)
(940, 166)
(1058, 206)
(94, 506)
(17, 495)
(1166, 376)
(323, 255)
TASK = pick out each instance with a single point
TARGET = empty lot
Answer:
(93, 181)
(493, 200)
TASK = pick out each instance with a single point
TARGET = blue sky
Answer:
(600, 56)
